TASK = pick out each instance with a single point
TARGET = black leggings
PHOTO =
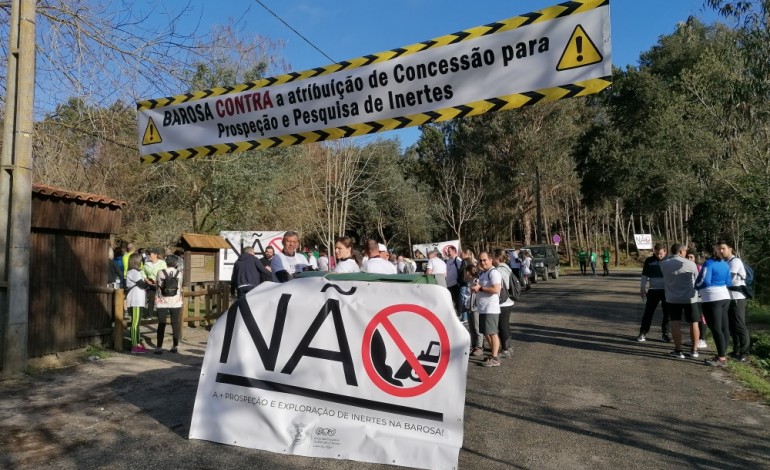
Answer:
(162, 313)
(716, 317)
(504, 327)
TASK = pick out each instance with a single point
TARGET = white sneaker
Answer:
(702, 344)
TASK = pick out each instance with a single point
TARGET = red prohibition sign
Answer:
(428, 381)
(276, 243)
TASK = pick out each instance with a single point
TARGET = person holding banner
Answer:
(289, 261)
(343, 251)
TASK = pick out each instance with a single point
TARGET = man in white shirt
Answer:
(323, 261)
(289, 261)
(487, 289)
(375, 264)
(311, 259)
(454, 266)
(736, 315)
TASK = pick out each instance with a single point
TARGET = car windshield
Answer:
(538, 252)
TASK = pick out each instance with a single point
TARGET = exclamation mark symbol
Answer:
(579, 44)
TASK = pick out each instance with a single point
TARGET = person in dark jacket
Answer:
(247, 273)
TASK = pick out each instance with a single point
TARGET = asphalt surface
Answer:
(580, 392)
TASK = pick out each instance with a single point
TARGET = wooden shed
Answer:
(70, 305)
(201, 257)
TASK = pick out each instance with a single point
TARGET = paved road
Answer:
(579, 393)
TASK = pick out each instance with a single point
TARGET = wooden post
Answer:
(118, 299)
(184, 313)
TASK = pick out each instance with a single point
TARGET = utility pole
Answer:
(16, 189)
(538, 202)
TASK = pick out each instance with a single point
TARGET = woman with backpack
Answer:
(168, 301)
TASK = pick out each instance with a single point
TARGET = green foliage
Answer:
(97, 351)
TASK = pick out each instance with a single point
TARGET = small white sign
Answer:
(643, 241)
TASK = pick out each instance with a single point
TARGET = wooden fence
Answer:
(200, 304)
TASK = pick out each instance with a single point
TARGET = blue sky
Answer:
(345, 29)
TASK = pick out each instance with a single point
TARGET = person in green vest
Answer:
(606, 261)
(130, 250)
(582, 256)
(592, 257)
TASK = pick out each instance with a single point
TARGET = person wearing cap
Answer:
(154, 264)
(376, 264)
(383, 251)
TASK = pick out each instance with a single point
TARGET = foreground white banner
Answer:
(337, 369)
(238, 240)
(643, 241)
(421, 250)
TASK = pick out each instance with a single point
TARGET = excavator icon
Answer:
(406, 371)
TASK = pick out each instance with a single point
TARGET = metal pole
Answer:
(16, 195)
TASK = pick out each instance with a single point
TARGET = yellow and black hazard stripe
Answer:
(501, 103)
(554, 12)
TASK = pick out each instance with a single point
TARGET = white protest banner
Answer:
(259, 240)
(643, 241)
(338, 369)
(420, 250)
(559, 52)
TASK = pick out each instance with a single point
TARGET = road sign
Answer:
(580, 51)
(559, 52)
(556, 239)
(426, 380)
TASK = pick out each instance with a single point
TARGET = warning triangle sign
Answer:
(151, 134)
(580, 51)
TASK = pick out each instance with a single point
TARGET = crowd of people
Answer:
(712, 295)
(474, 285)
(152, 281)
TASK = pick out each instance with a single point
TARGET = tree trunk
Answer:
(617, 232)
(567, 239)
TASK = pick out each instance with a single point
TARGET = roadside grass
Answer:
(755, 375)
(97, 351)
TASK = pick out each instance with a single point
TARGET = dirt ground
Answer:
(579, 393)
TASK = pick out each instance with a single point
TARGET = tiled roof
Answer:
(195, 240)
(60, 193)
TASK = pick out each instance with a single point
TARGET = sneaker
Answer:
(715, 362)
(702, 344)
(138, 349)
(677, 354)
(741, 358)
(693, 354)
(173, 350)
(504, 354)
(477, 352)
(641, 338)
(158, 351)
(492, 362)
(666, 339)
